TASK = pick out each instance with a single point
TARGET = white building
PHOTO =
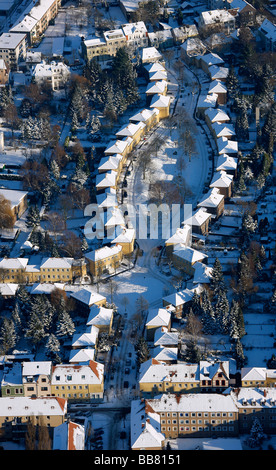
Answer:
(136, 34)
(56, 74)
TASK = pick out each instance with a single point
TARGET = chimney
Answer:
(264, 392)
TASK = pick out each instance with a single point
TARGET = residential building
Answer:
(207, 60)
(216, 20)
(223, 182)
(226, 146)
(202, 275)
(165, 337)
(16, 414)
(12, 49)
(246, 13)
(36, 378)
(192, 48)
(157, 377)
(184, 258)
(4, 72)
(213, 115)
(12, 270)
(150, 117)
(258, 377)
(69, 436)
(85, 298)
(103, 259)
(87, 339)
(181, 236)
(145, 428)
(219, 88)
(179, 303)
(195, 414)
(55, 74)
(267, 35)
(223, 130)
(213, 202)
(95, 48)
(199, 221)
(162, 103)
(218, 73)
(17, 199)
(136, 35)
(35, 19)
(214, 376)
(115, 40)
(184, 32)
(11, 383)
(255, 403)
(126, 239)
(78, 382)
(228, 164)
(57, 269)
(156, 318)
(133, 130)
(101, 317)
(206, 101)
(150, 54)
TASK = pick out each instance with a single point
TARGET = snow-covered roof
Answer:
(253, 373)
(105, 180)
(91, 373)
(254, 397)
(8, 289)
(221, 180)
(158, 317)
(155, 67)
(126, 236)
(218, 73)
(158, 75)
(268, 29)
(217, 86)
(193, 47)
(193, 402)
(33, 368)
(69, 436)
(156, 87)
(181, 235)
(107, 199)
(132, 28)
(217, 115)
(110, 162)
(160, 101)
(45, 288)
(99, 316)
(82, 340)
(202, 274)
(15, 197)
(223, 129)
(153, 371)
(215, 16)
(117, 146)
(11, 40)
(53, 263)
(212, 198)
(130, 129)
(161, 353)
(82, 355)
(163, 336)
(198, 218)
(207, 101)
(179, 298)
(87, 297)
(211, 59)
(226, 162)
(144, 115)
(227, 146)
(150, 54)
(188, 254)
(29, 406)
(145, 428)
(13, 263)
(103, 252)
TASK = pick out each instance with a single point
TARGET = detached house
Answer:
(213, 202)
(156, 318)
(184, 258)
(223, 182)
(104, 258)
(222, 19)
(55, 74)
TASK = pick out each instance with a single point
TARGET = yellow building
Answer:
(36, 378)
(150, 117)
(134, 130)
(56, 269)
(78, 382)
(158, 377)
(126, 240)
(258, 377)
(101, 318)
(18, 200)
(12, 270)
(162, 103)
(104, 259)
(17, 413)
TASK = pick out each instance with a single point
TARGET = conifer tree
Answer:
(217, 282)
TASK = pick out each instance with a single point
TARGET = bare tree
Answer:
(7, 217)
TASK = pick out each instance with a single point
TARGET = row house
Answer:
(199, 221)
(213, 201)
(16, 414)
(37, 379)
(156, 377)
(258, 377)
(51, 270)
(223, 182)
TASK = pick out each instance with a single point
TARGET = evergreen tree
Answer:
(238, 354)
(217, 282)
(7, 335)
(232, 83)
(142, 351)
(256, 434)
(207, 317)
(192, 352)
(53, 348)
(65, 325)
(222, 312)
(33, 217)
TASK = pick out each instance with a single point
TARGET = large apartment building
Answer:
(12, 48)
